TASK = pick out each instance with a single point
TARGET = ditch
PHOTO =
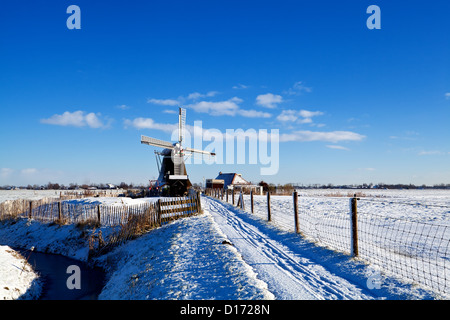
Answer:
(53, 270)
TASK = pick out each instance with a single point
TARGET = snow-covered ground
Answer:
(187, 259)
(295, 268)
(17, 278)
(226, 253)
(406, 233)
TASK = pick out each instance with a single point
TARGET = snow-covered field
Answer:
(28, 194)
(227, 253)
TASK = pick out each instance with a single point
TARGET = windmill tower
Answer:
(172, 170)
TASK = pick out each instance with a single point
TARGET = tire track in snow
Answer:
(289, 276)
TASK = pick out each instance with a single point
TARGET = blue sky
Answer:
(352, 105)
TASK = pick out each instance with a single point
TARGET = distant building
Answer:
(232, 180)
(215, 183)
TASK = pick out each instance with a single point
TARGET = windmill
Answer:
(172, 170)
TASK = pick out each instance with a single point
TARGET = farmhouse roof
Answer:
(232, 179)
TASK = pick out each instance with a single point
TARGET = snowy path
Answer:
(288, 274)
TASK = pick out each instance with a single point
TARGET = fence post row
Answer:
(354, 226)
(353, 215)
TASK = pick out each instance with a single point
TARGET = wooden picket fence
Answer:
(56, 210)
(127, 221)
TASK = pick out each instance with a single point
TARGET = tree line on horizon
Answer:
(266, 186)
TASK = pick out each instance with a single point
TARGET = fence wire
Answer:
(414, 250)
(406, 239)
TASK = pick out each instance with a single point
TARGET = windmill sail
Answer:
(156, 142)
(199, 151)
(181, 124)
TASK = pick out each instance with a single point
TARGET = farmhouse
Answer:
(231, 181)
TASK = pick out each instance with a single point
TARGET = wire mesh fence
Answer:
(404, 238)
(415, 249)
(326, 222)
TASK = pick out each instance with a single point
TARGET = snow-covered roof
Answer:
(232, 179)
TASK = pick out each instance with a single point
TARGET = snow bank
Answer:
(67, 240)
(188, 259)
(17, 278)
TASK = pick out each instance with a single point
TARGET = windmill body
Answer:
(172, 169)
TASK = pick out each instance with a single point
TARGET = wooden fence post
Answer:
(297, 229)
(241, 201)
(227, 195)
(251, 200)
(354, 226)
(199, 203)
(269, 216)
(232, 196)
(158, 210)
(59, 211)
(31, 209)
(98, 215)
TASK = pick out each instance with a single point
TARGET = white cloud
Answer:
(309, 114)
(148, 123)
(288, 116)
(196, 95)
(432, 152)
(296, 136)
(254, 114)
(6, 172)
(240, 86)
(93, 121)
(164, 102)
(298, 88)
(229, 107)
(123, 107)
(269, 100)
(301, 117)
(29, 171)
(337, 147)
(76, 119)
(331, 136)
(181, 100)
(447, 95)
